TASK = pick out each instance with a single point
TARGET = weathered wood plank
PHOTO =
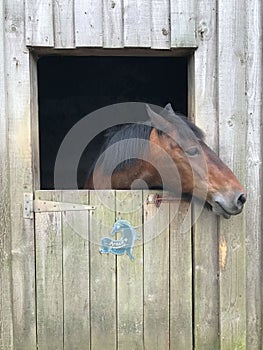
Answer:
(49, 275)
(180, 293)
(232, 129)
(203, 109)
(64, 24)
(17, 69)
(76, 273)
(6, 322)
(156, 275)
(39, 23)
(34, 122)
(160, 24)
(183, 23)
(102, 273)
(112, 24)
(254, 175)
(130, 276)
(137, 23)
(88, 22)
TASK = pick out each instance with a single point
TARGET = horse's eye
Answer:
(194, 151)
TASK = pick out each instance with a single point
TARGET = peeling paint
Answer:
(222, 252)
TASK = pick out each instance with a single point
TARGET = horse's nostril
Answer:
(241, 199)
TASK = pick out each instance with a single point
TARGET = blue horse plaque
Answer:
(121, 246)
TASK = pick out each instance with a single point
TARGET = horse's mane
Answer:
(117, 140)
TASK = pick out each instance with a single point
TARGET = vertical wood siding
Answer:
(254, 144)
(88, 23)
(203, 109)
(232, 118)
(6, 320)
(137, 23)
(18, 109)
(203, 304)
(159, 24)
(183, 23)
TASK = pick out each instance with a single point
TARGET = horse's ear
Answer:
(169, 108)
(157, 120)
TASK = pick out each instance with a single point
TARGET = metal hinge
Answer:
(32, 206)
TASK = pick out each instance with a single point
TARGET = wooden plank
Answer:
(49, 275)
(180, 278)
(39, 23)
(160, 24)
(112, 24)
(232, 129)
(34, 122)
(156, 275)
(17, 69)
(88, 22)
(137, 23)
(64, 24)
(6, 322)
(76, 273)
(203, 110)
(183, 23)
(254, 175)
(102, 273)
(130, 276)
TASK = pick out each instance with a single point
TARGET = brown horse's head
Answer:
(198, 171)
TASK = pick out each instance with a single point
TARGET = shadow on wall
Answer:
(72, 87)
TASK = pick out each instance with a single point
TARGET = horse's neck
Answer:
(141, 175)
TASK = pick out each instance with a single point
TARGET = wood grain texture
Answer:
(49, 276)
(160, 24)
(130, 275)
(6, 323)
(137, 23)
(64, 36)
(180, 293)
(88, 23)
(203, 110)
(183, 23)
(17, 69)
(102, 274)
(156, 275)
(112, 24)
(39, 23)
(254, 174)
(232, 133)
(75, 232)
(34, 122)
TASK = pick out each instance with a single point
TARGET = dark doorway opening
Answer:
(71, 87)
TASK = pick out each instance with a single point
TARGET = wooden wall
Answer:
(110, 23)
(225, 98)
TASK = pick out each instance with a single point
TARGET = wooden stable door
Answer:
(88, 300)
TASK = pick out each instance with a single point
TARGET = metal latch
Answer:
(157, 199)
(32, 206)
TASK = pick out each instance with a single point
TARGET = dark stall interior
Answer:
(71, 87)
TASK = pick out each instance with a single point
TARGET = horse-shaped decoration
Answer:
(124, 244)
(168, 153)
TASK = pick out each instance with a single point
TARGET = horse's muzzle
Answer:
(228, 205)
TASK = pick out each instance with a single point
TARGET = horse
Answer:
(167, 152)
(124, 244)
